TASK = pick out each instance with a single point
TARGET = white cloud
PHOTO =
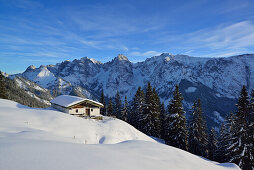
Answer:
(237, 35)
(223, 40)
(145, 54)
(113, 20)
(232, 6)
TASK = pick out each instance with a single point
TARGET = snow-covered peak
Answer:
(180, 58)
(4, 74)
(223, 76)
(167, 59)
(84, 59)
(166, 54)
(122, 57)
(43, 67)
(50, 65)
(44, 72)
(95, 61)
(31, 68)
(164, 57)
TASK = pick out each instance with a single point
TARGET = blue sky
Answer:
(46, 32)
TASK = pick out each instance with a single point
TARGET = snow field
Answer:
(39, 139)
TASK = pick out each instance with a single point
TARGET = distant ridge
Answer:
(217, 80)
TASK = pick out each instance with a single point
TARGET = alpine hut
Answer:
(76, 105)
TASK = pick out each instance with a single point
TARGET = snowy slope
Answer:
(130, 155)
(46, 139)
(20, 120)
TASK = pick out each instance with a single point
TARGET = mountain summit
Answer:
(217, 81)
(121, 57)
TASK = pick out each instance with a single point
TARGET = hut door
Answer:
(88, 112)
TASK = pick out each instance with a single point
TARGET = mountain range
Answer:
(216, 81)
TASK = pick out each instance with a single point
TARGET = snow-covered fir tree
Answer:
(197, 131)
(156, 115)
(2, 87)
(251, 127)
(162, 119)
(147, 125)
(221, 146)
(55, 92)
(176, 132)
(222, 153)
(151, 113)
(240, 149)
(102, 100)
(212, 144)
(110, 108)
(117, 106)
(136, 117)
(124, 112)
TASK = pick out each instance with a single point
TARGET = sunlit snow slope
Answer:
(47, 139)
(49, 124)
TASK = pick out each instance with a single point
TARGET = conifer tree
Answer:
(156, 121)
(221, 149)
(162, 119)
(3, 92)
(136, 117)
(102, 101)
(197, 131)
(230, 124)
(17, 94)
(240, 150)
(147, 113)
(176, 133)
(110, 108)
(117, 106)
(124, 112)
(212, 145)
(151, 116)
(251, 128)
(225, 139)
(55, 92)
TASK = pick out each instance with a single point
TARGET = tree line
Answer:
(10, 90)
(236, 138)
(233, 143)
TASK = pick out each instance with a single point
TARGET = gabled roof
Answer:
(68, 101)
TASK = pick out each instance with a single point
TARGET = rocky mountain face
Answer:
(26, 92)
(33, 90)
(217, 81)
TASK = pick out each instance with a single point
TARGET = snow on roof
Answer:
(92, 101)
(67, 100)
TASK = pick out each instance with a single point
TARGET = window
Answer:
(91, 110)
(76, 110)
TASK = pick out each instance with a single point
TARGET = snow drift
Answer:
(50, 124)
(48, 139)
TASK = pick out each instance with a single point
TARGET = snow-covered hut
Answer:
(76, 105)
